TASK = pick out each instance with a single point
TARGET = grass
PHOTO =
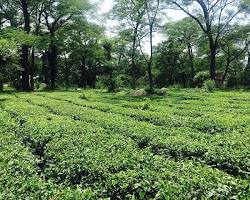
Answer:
(90, 144)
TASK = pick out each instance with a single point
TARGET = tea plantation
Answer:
(90, 144)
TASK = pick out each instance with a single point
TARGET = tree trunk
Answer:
(133, 65)
(171, 73)
(1, 85)
(45, 69)
(2, 65)
(213, 50)
(191, 58)
(247, 72)
(150, 61)
(25, 70)
(93, 79)
(25, 49)
(224, 76)
(32, 69)
(52, 59)
(248, 61)
(66, 72)
(212, 42)
(183, 76)
(92, 76)
(82, 82)
(111, 87)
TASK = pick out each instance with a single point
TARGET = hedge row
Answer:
(225, 151)
(77, 154)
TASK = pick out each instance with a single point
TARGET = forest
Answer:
(54, 44)
(124, 100)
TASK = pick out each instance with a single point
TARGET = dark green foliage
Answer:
(62, 44)
(201, 77)
(209, 85)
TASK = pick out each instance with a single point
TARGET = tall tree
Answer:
(26, 86)
(8, 60)
(36, 19)
(169, 62)
(87, 51)
(131, 14)
(152, 10)
(9, 13)
(234, 46)
(214, 18)
(187, 32)
(109, 65)
(58, 13)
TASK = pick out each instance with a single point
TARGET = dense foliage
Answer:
(63, 44)
(89, 144)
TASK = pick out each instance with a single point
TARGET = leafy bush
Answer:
(83, 96)
(145, 106)
(8, 59)
(41, 86)
(201, 77)
(209, 85)
(176, 86)
(160, 92)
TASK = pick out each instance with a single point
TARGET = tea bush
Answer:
(209, 85)
(186, 145)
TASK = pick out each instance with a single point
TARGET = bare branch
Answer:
(189, 14)
(143, 54)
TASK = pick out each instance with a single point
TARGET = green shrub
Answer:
(40, 86)
(201, 77)
(176, 86)
(145, 106)
(160, 92)
(209, 85)
(83, 96)
(121, 93)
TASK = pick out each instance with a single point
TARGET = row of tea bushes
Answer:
(224, 151)
(114, 167)
(19, 177)
(172, 117)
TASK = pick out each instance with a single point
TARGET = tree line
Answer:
(55, 43)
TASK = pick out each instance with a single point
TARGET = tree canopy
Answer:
(61, 44)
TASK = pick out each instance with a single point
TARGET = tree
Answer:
(188, 33)
(246, 70)
(8, 60)
(233, 46)
(36, 19)
(131, 14)
(56, 15)
(169, 62)
(26, 86)
(57, 42)
(214, 18)
(87, 52)
(21, 38)
(152, 10)
(9, 13)
(109, 64)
